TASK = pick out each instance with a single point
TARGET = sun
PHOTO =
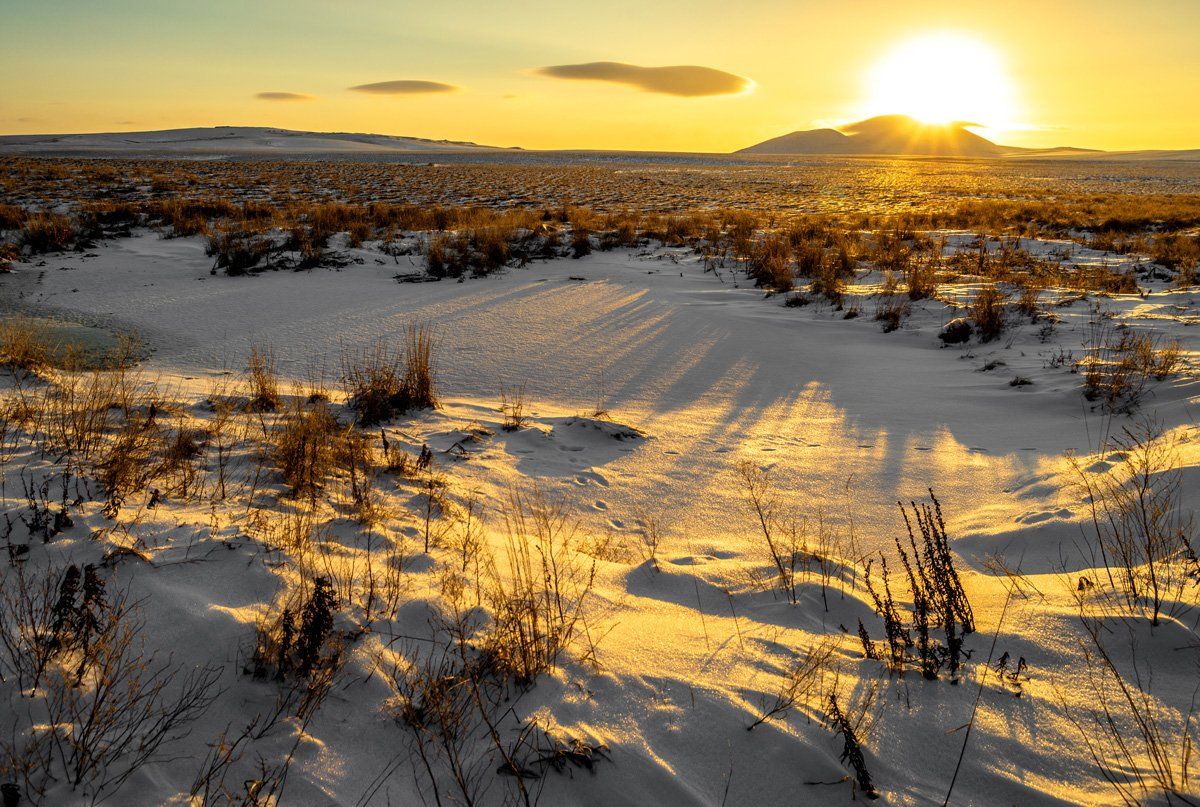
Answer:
(941, 78)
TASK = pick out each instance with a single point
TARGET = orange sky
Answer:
(1103, 74)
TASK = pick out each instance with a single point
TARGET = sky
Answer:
(1109, 74)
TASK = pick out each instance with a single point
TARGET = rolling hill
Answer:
(222, 141)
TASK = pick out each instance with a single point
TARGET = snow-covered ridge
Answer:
(219, 140)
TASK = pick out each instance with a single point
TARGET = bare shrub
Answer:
(125, 464)
(783, 537)
(852, 754)
(803, 681)
(296, 637)
(1141, 528)
(652, 533)
(109, 707)
(79, 409)
(1141, 747)
(793, 548)
(356, 458)
(939, 602)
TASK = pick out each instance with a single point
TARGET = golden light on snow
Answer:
(942, 78)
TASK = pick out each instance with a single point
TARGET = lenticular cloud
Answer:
(683, 80)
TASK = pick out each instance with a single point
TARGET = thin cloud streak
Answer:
(404, 87)
(283, 96)
(689, 81)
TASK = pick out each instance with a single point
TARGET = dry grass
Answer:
(1120, 363)
(989, 312)
(538, 593)
(382, 382)
(302, 446)
(263, 379)
(24, 345)
(48, 232)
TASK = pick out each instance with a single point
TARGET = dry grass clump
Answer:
(9, 252)
(513, 408)
(238, 252)
(24, 345)
(621, 230)
(108, 219)
(581, 241)
(264, 380)
(185, 217)
(481, 251)
(48, 232)
(302, 445)
(922, 279)
(1120, 363)
(892, 308)
(1028, 303)
(12, 217)
(1101, 279)
(382, 382)
(1180, 253)
(538, 593)
(989, 312)
(769, 263)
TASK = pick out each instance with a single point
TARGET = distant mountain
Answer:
(222, 141)
(886, 134)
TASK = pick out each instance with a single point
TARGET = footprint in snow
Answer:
(591, 476)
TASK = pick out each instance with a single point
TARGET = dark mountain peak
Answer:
(886, 135)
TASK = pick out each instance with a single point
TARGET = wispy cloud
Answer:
(684, 80)
(283, 96)
(404, 87)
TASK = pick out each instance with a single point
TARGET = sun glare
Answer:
(941, 78)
